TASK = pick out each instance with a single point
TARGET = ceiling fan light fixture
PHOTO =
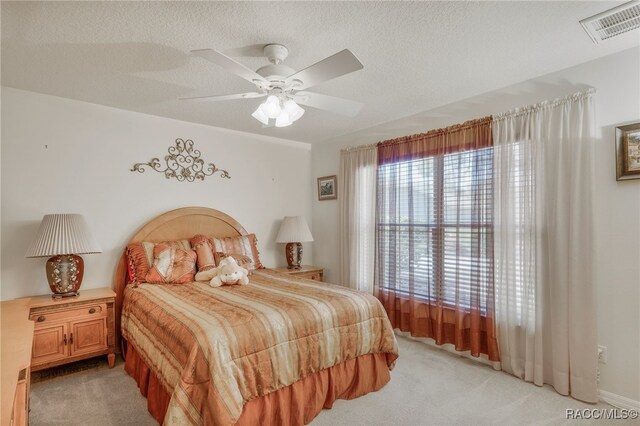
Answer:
(283, 119)
(293, 109)
(271, 107)
(260, 116)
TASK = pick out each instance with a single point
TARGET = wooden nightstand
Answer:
(74, 328)
(305, 271)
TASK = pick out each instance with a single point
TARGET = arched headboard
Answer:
(174, 225)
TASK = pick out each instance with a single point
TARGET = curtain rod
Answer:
(517, 111)
(545, 104)
(356, 148)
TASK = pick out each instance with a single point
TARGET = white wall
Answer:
(66, 156)
(617, 204)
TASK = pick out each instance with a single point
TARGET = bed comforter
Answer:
(214, 349)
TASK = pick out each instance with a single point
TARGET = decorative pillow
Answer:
(140, 258)
(204, 249)
(172, 265)
(245, 244)
(243, 261)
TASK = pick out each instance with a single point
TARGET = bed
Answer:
(276, 351)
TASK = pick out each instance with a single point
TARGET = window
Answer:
(435, 232)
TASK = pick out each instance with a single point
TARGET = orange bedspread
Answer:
(215, 349)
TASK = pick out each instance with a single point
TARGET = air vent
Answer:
(613, 22)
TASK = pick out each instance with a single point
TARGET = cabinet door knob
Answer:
(41, 318)
(92, 310)
(64, 339)
(71, 339)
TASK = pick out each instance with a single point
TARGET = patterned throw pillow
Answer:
(140, 258)
(246, 245)
(172, 265)
(204, 249)
(243, 261)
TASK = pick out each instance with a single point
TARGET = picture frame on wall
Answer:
(628, 152)
(327, 188)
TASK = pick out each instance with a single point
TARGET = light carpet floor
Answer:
(428, 387)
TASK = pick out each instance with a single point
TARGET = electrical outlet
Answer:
(598, 376)
(602, 354)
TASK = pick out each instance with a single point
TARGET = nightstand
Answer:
(74, 328)
(305, 271)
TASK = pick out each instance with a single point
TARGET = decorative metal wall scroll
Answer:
(183, 163)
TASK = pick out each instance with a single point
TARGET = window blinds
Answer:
(435, 235)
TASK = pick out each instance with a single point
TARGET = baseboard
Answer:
(619, 401)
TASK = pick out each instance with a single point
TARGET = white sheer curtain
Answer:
(357, 227)
(545, 308)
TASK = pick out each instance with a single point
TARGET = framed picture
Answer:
(327, 188)
(628, 152)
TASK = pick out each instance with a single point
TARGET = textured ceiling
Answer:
(417, 55)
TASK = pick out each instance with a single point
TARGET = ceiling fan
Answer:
(284, 87)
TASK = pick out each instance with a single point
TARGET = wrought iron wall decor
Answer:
(183, 163)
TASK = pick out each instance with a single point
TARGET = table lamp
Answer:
(293, 231)
(64, 237)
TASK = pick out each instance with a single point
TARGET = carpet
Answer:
(89, 397)
(428, 387)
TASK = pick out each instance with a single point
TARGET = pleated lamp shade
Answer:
(294, 229)
(62, 234)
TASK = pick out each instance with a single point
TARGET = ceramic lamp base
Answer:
(293, 251)
(64, 274)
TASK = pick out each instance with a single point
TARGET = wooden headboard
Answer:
(174, 225)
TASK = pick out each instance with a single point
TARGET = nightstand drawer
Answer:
(305, 271)
(92, 310)
(316, 276)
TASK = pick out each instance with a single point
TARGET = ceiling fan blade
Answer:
(214, 98)
(328, 103)
(334, 66)
(229, 64)
(252, 50)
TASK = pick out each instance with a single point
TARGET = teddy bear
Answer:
(226, 273)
